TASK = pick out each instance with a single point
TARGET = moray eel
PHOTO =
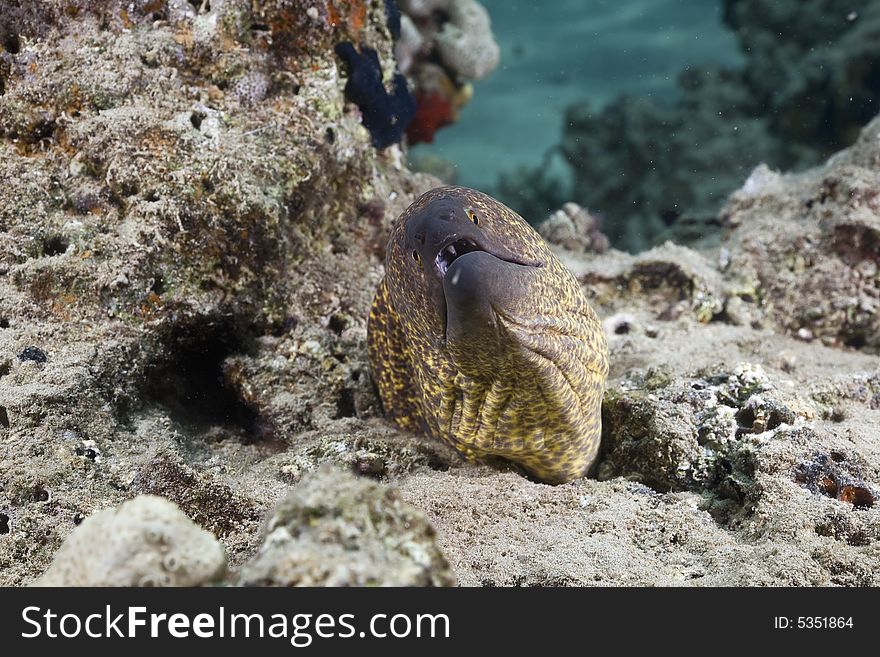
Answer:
(478, 335)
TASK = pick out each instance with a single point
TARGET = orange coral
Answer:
(434, 110)
(352, 14)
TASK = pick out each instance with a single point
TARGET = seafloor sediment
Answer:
(192, 220)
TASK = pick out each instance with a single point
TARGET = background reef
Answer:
(661, 109)
(193, 217)
(662, 170)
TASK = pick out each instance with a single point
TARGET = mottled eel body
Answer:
(480, 336)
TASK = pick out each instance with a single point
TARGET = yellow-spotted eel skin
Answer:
(478, 335)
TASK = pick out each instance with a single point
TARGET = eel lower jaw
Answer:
(450, 252)
(473, 285)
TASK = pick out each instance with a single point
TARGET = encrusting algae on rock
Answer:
(336, 529)
(147, 541)
(480, 336)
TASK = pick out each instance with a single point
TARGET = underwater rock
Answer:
(334, 529)
(746, 442)
(575, 229)
(367, 449)
(201, 494)
(385, 114)
(146, 541)
(832, 475)
(409, 45)
(152, 230)
(666, 283)
(458, 30)
(465, 42)
(675, 434)
(810, 245)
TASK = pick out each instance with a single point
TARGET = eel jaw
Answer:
(450, 252)
(458, 246)
(470, 279)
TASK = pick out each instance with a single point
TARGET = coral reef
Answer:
(464, 42)
(459, 31)
(334, 529)
(814, 65)
(443, 46)
(662, 169)
(649, 167)
(814, 260)
(146, 541)
(192, 224)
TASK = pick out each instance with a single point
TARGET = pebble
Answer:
(34, 354)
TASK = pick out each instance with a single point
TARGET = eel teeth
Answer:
(449, 253)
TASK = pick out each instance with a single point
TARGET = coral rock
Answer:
(465, 42)
(146, 541)
(334, 529)
(811, 243)
(575, 229)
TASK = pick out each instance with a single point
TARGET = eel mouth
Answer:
(451, 252)
(457, 247)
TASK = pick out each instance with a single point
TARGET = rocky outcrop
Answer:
(187, 193)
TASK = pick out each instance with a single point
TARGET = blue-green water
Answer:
(557, 52)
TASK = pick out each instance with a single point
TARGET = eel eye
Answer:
(416, 256)
(473, 217)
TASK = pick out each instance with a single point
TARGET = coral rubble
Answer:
(146, 541)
